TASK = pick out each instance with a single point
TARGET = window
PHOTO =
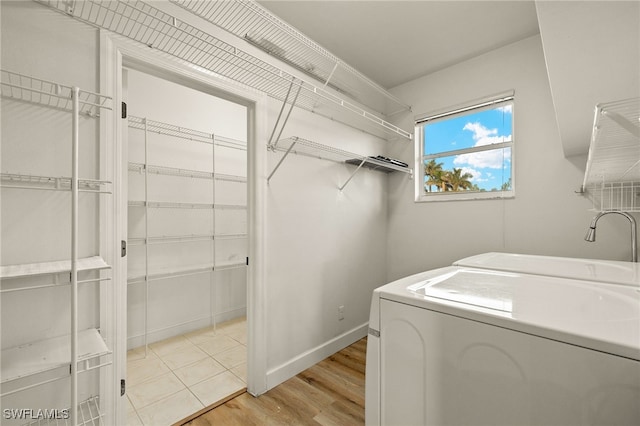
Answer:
(466, 153)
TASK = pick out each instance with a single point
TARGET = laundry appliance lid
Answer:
(611, 271)
(599, 316)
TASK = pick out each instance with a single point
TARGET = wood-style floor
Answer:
(329, 393)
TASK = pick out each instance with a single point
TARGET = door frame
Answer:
(115, 53)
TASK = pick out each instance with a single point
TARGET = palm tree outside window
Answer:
(467, 152)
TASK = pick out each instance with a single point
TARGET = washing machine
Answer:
(481, 342)
(611, 271)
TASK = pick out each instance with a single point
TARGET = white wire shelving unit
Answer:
(313, 149)
(88, 414)
(612, 176)
(146, 24)
(180, 135)
(64, 357)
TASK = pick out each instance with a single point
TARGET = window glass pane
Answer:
(475, 171)
(475, 128)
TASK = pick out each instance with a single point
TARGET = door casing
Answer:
(115, 53)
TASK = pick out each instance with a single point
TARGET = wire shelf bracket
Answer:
(280, 122)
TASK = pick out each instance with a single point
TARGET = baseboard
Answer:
(184, 327)
(313, 356)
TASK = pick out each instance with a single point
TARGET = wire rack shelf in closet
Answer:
(146, 24)
(30, 366)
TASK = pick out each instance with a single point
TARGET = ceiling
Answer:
(393, 42)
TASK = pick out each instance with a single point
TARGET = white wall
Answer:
(545, 217)
(592, 51)
(325, 248)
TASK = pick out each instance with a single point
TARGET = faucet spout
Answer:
(591, 233)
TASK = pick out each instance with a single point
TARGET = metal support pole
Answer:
(364, 160)
(212, 287)
(295, 139)
(274, 141)
(284, 103)
(75, 136)
(146, 238)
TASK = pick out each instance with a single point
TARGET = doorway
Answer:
(187, 246)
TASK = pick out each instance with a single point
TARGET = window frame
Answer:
(484, 104)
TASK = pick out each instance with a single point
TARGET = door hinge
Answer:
(124, 110)
(123, 387)
(247, 261)
(123, 248)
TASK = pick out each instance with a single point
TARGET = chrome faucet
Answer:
(591, 233)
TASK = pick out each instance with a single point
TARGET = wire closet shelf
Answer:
(255, 24)
(50, 94)
(153, 27)
(305, 147)
(612, 177)
(191, 135)
(23, 88)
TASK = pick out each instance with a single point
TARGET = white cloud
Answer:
(476, 174)
(482, 136)
(507, 109)
(493, 159)
(480, 133)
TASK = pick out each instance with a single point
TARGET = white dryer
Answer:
(611, 271)
(476, 345)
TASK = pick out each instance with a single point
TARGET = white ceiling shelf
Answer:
(612, 176)
(152, 27)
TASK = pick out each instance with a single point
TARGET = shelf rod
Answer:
(354, 173)
(295, 139)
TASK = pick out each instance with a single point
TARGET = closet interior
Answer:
(187, 248)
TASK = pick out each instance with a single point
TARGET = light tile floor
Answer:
(183, 374)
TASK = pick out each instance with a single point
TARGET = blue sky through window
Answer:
(489, 169)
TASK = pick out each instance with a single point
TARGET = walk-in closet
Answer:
(187, 248)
